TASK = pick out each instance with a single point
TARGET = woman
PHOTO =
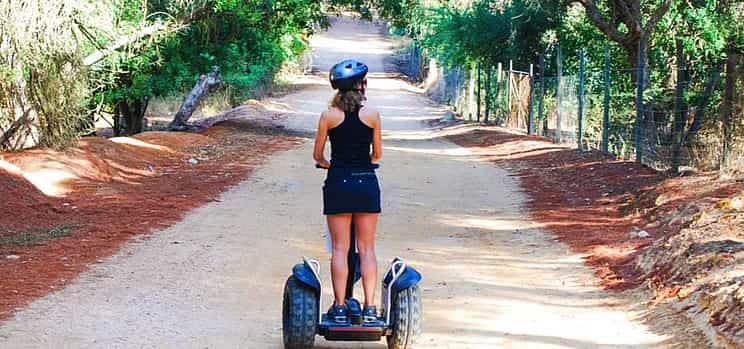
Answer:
(351, 189)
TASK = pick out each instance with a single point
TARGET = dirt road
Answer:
(492, 279)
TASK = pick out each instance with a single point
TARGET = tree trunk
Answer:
(192, 100)
(129, 116)
(631, 49)
(134, 116)
(697, 122)
(24, 129)
(117, 121)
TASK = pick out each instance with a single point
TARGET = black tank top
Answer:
(350, 142)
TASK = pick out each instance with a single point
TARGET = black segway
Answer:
(303, 319)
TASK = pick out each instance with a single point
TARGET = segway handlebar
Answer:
(374, 166)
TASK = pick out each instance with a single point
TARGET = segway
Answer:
(303, 319)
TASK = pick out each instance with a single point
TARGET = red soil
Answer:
(121, 190)
(584, 198)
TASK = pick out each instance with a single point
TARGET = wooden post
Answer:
(531, 114)
(581, 99)
(606, 114)
(680, 108)
(639, 103)
(559, 96)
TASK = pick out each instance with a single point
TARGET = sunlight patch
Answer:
(484, 223)
(51, 182)
(138, 143)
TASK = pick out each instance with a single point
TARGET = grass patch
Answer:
(36, 235)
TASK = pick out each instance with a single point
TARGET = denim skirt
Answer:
(351, 191)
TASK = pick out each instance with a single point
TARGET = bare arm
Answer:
(320, 141)
(377, 139)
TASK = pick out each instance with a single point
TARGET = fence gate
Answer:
(518, 100)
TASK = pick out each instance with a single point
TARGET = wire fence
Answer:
(664, 124)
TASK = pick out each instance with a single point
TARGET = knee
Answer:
(339, 251)
(366, 249)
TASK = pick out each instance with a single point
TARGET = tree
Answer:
(627, 22)
(61, 61)
(248, 40)
(481, 32)
(43, 84)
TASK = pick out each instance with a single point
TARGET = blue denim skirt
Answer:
(351, 191)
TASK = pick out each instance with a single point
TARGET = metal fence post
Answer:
(581, 98)
(478, 108)
(489, 72)
(641, 75)
(531, 112)
(471, 92)
(728, 108)
(559, 96)
(509, 89)
(680, 107)
(499, 78)
(606, 111)
(541, 98)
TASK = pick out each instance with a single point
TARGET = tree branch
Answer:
(629, 18)
(100, 54)
(656, 17)
(596, 17)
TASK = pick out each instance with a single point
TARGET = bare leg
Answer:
(366, 226)
(340, 226)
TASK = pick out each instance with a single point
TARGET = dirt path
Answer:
(214, 280)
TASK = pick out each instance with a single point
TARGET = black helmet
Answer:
(346, 73)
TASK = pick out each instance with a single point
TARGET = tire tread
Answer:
(299, 315)
(406, 317)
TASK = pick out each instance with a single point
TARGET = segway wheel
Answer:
(405, 315)
(299, 315)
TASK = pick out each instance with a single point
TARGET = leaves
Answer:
(249, 40)
(484, 31)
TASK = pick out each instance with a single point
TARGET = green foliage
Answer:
(481, 31)
(66, 60)
(35, 235)
(248, 40)
(43, 84)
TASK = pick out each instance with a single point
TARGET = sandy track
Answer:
(491, 278)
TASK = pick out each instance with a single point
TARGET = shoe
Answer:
(369, 313)
(338, 313)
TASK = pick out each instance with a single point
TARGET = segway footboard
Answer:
(372, 332)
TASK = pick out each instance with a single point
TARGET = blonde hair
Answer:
(351, 100)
